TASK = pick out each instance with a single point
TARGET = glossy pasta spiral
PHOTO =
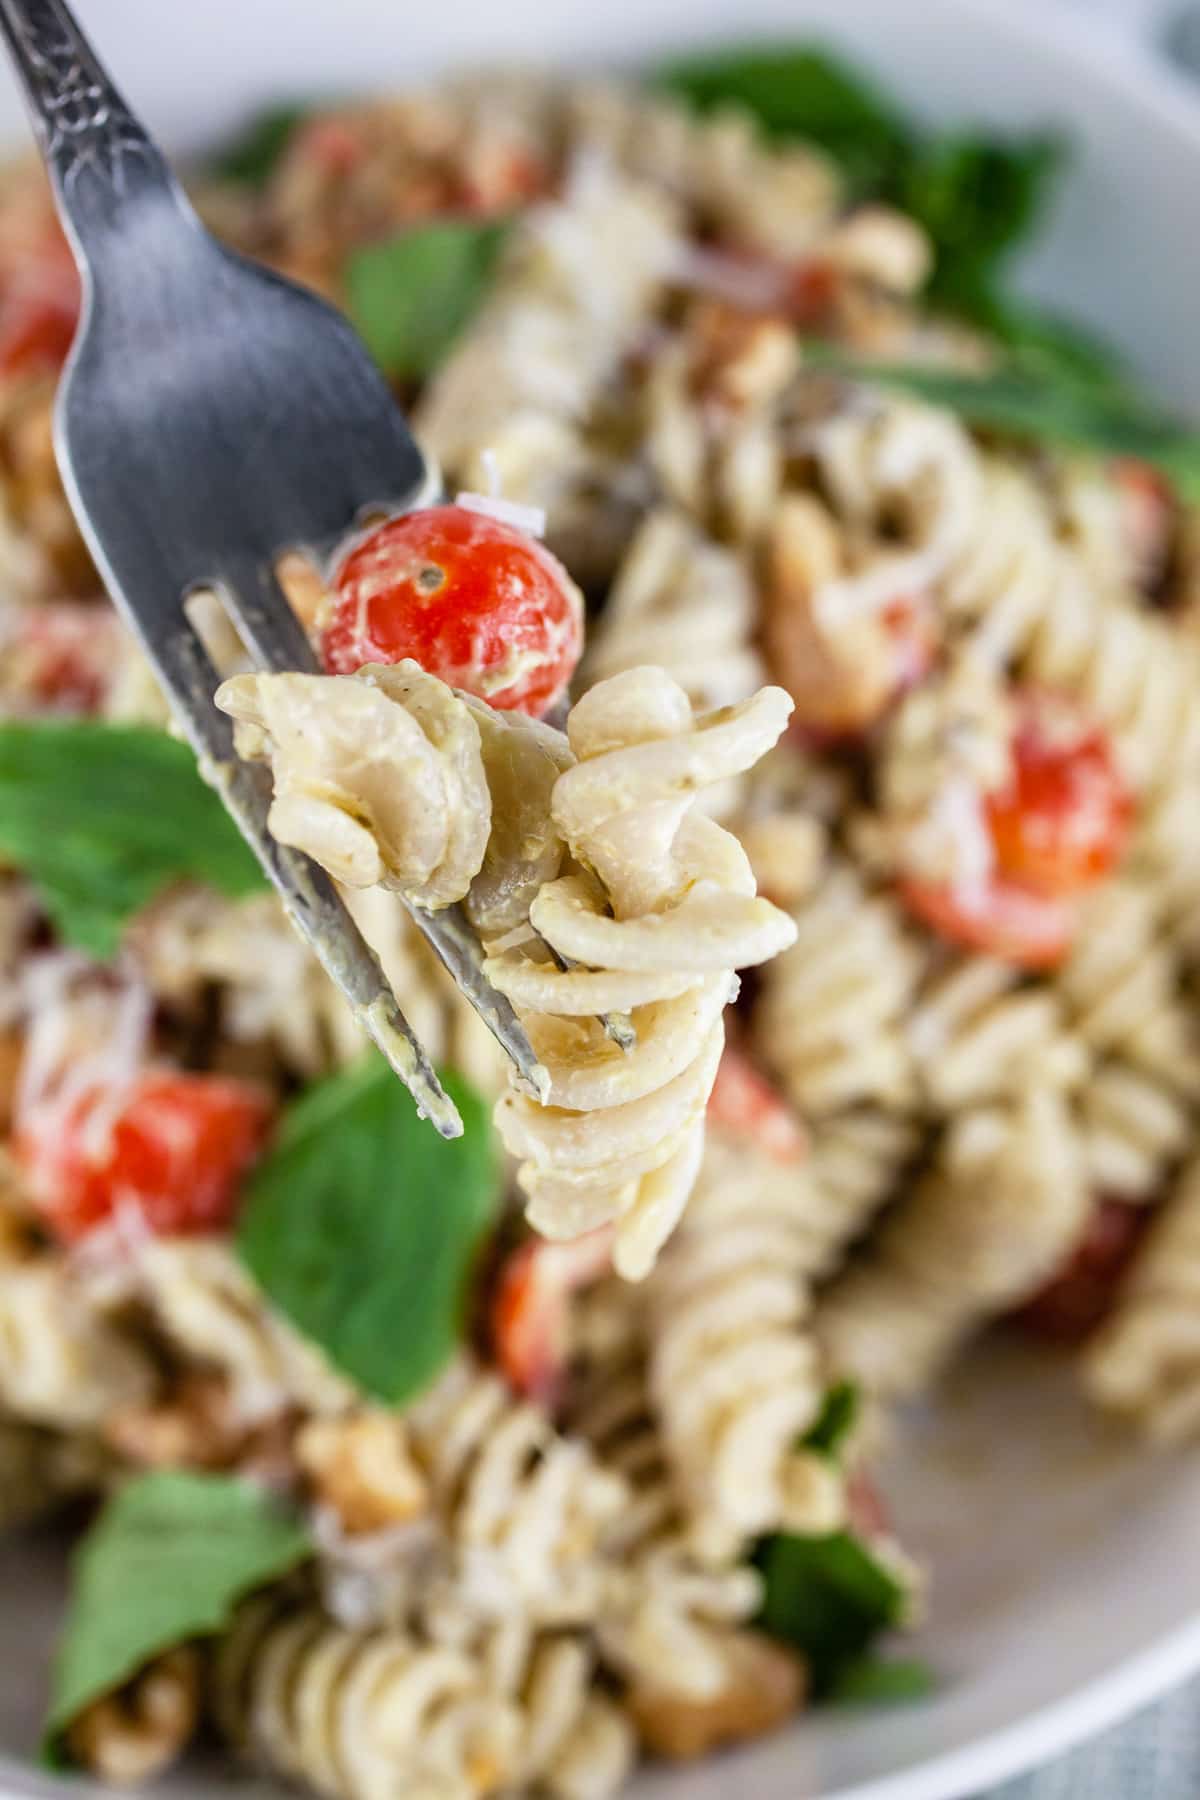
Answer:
(523, 1508)
(1145, 1363)
(1032, 599)
(896, 468)
(830, 1019)
(574, 1742)
(1133, 1127)
(578, 281)
(209, 1309)
(660, 912)
(977, 1032)
(359, 1715)
(734, 1370)
(1120, 987)
(665, 1615)
(683, 604)
(855, 1161)
(1006, 1201)
(64, 1361)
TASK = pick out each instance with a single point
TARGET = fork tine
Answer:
(459, 950)
(263, 614)
(260, 608)
(310, 897)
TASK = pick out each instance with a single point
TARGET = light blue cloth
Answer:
(1153, 1756)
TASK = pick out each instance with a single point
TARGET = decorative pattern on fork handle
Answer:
(85, 127)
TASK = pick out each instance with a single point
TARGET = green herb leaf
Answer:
(166, 1561)
(828, 1597)
(252, 156)
(978, 199)
(102, 817)
(1034, 399)
(835, 1421)
(800, 91)
(412, 295)
(363, 1226)
(878, 1680)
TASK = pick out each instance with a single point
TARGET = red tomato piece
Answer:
(1062, 821)
(173, 1149)
(467, 596)
(60, 657)
(39, 303)
(1079, 1298)
(1001, 917)
(530, 1312)
(744, 1101)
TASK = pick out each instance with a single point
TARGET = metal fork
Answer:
(211, 417)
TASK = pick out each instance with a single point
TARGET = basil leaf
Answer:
(835, 1421)
(363, 1226)
(166, 1561)
(977, 198)
(1032, 399)
(102, 817)
(412, 295)
(799, 91)
(828, 1597)
(252, 156)
(879, 1681)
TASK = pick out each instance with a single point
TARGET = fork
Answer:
(211, 417)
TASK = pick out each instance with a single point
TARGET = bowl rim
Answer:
(1125, 66)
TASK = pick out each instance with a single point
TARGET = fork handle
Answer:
(97, 152)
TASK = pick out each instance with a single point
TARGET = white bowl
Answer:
(1066, 1580)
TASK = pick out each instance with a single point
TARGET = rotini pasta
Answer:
(683, 604)
(1006, 1201)
(524, 1509)
(622, 1135)
(733, 1367)
(1133, 1126)
(63, 1361)
(209, 1309)
(1145, 1363)
(830, 1019)
(360, 1714)
(977, 1032)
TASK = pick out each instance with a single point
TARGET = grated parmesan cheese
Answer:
(530, 519)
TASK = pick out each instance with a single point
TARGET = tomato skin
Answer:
(175, 1152)
(530, 1309)
(744, 1101)
(1002, 918)
(470, 598)
(1062, 821)
(1080, 1296)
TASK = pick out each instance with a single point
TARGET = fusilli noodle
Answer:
(1146, 1361)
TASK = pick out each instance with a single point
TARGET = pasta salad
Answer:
(797, 692)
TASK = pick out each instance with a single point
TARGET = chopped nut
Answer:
(362, 1468)
(766, 1685)
(139, 1731)
(740, 359)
